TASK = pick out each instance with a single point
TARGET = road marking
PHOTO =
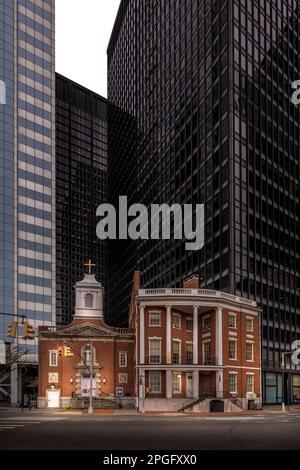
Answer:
(233, 418)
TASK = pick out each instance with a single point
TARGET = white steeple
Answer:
(89, 298)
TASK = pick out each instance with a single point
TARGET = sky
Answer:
(83, 29)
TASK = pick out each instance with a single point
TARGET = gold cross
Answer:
(89, 265)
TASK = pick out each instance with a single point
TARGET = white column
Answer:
(142, 335)
(168, 336)
(16, 384)
(219, 384)
(195, 336)
(195, 384)
(142, 391)
(219, 336)
(169, 383)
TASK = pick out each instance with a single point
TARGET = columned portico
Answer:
(142, 335)
(219, 351)
(219, 336)
(195, 336)
(168, 336)
(169, 383)
(196, 384)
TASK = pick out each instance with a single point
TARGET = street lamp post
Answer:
(283, 354)
(90, 411)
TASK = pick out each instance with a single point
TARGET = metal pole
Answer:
(90, 411)
(282, 365)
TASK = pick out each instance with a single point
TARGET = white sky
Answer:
(83, 29)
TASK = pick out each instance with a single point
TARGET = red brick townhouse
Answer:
(186, 349)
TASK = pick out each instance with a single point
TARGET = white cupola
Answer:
(89, 298)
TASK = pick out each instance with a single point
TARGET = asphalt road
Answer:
(76, 432)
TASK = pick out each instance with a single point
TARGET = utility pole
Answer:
(90, 411)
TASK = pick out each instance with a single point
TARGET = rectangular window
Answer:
(123, 378)
(232, 383)
(154, 351)
(176, 321)
(232, 349)
(154, 319)
(250, 383)
(189, 324)
(232, 320)
(189, 353)
(249, 351)
(176, 352)
(177, 383)
(53, 358)
(207, 352)
(154, 381)
(206, 322)
(249, 324)
(123, 359)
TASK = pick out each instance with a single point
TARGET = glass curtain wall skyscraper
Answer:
(205, 87)
(81, 185)
(27, 171)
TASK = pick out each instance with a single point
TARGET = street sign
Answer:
(2, 353)
(119, 391)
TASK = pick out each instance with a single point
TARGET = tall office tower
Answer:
(27, 170)
(81, 179)
(207, 87)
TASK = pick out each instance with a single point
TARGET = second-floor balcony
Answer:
(181, 293)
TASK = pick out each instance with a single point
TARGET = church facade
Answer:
(186, 349)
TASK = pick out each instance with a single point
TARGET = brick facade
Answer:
(181, 344)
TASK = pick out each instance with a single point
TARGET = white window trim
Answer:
(191, 319)
(120, 381)
(206, 341)
(120, 354)
(232, 314)
(234, 340)
(51, 351)
(177, 340)
(149, 342)
(177, 391)
(250, 342)
(155, 312)
(252, 321)
(251, 374)
(150, 373)
(176, 315)
(205, 318)
(236, 384)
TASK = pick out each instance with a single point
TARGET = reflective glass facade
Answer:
(27, 230)
(205, 88)
(81, 179)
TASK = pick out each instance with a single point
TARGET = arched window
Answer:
(89, 301)
(86, 354)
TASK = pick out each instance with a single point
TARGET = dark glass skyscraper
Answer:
(205, 88)
(81, 179)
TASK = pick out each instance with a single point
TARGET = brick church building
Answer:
(186, 349)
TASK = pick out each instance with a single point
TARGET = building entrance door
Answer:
(85, 386)
(53, 399)
(189, 385)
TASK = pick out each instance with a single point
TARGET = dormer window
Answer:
(88, 301)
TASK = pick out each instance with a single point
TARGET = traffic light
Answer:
(68, 352)
(29, 331)
(12, 330)
(60, 352)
